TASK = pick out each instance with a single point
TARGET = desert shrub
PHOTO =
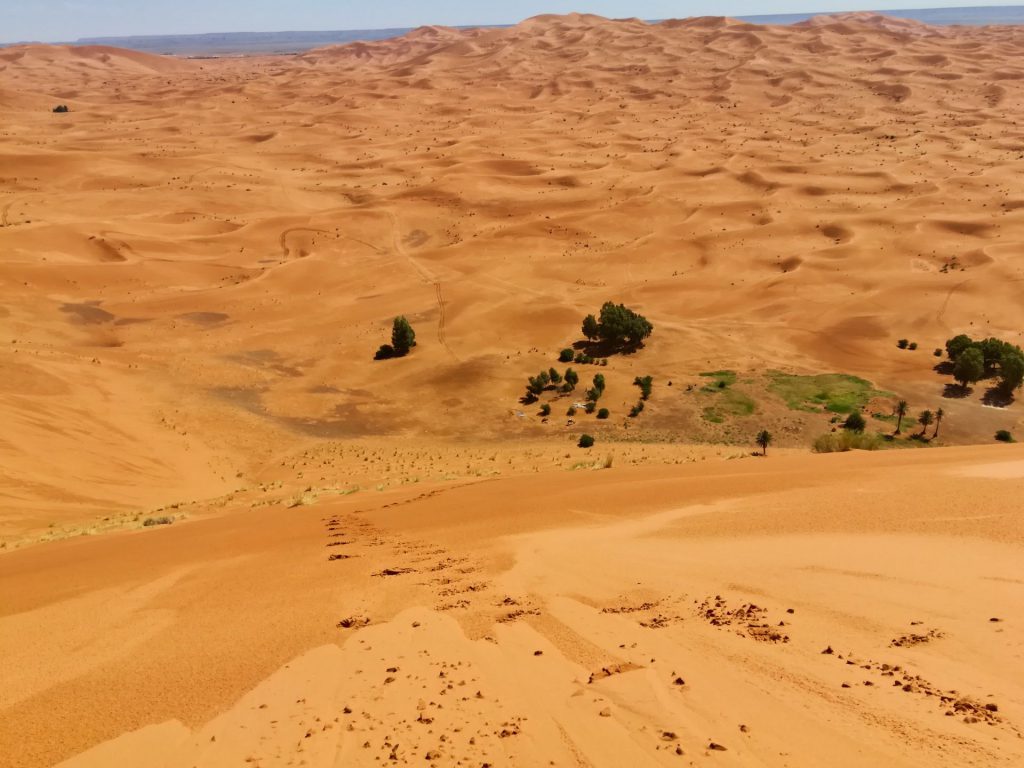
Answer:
(385, 352)
(586, 441)
(403, 337)
(913, 346)
(571, 412)
(903, 343)
(603, 413)
(636, 410)
(1005, 436)
(854, 422)
(545, 410)
(149, 522)
(565, 356)
(645, 383)
(61, 109)
(599, 382)
(837, 442)
(937, 352)
(591, 407)
(554, 376)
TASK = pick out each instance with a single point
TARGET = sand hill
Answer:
(200, 259)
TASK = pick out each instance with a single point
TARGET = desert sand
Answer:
(397, 562)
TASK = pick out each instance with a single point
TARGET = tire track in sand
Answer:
(426, 277)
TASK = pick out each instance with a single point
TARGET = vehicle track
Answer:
(428, 278)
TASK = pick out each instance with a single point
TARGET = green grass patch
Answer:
(844, 440)
(835, 392)
(721, 380)
(714, 415)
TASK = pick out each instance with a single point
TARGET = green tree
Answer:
(545, 410)
(901, 411)
(603, 413)
(586, 441)
(619, 325)
(926, 419)
(571, 379)
(1011, 371)
(403, 337)
(565, 356)
(537, 384)
(591, 328)
(599, 382)
(855, 422)
(969, 367)
(939, 414)
(764, 439)
(956, 346)
(554, 376)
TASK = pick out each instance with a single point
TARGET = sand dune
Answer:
(198, 262)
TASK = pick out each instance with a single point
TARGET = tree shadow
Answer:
(997, 397)
(956, 392)
(605, 348)
(945, 368)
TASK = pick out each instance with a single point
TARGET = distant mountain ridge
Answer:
(289, 42)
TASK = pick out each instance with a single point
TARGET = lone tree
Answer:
(764, 439)
(571, 380)
(938, 422)
(901, 411)
(403, 337)
(969, 367)
(854, 422)
(926, 419)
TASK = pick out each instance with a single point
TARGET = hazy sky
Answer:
(66, 20)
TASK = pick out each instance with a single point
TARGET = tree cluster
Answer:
(986, 358)
(617, 326)
(550, 379)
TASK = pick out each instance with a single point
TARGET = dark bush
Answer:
(61, 109)
(386, 352)
(545, 410)
(586, 441)
(854, 422)
(1004, 436)
(913, 346)
(937, 353)
(603, 413)
(571, 412)
(903, 343)
(645, 383)
(591, 407)
(636, 410)
(403, 337)
(571, 379)
(565, 356)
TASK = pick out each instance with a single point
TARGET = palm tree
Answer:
(764, 439)
(938, 420)
(925, 420)
(901, 411)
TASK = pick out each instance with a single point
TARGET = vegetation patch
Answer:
(720, 380)
(847, 440)
(834, 392)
